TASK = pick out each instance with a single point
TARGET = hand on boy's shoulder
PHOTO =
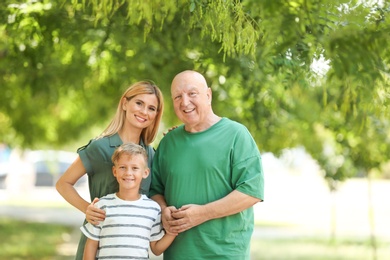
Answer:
(94, 214)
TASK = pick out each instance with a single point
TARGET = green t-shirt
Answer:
(198, 168)
(96, 158)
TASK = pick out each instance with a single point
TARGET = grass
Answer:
(32, 241)
(316, 249)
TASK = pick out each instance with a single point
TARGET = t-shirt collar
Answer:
(116, 141)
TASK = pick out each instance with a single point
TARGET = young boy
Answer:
(133, 221)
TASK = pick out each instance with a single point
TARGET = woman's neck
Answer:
(130, 136)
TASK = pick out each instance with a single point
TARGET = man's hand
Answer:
(93, 214)
(186, 217)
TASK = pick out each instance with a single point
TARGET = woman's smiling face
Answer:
(141, 110)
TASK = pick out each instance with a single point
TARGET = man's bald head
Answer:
(189, 77)
(192, 101)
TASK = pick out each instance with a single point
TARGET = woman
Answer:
(136, 120)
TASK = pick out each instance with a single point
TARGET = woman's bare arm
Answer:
(65, 186)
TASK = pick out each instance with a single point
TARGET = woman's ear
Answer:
(124, 103)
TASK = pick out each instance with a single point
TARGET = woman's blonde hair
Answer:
(142, 87)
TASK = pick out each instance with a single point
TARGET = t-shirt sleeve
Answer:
(84, 153)
(92, 231)
(247, 171)
(157, 231)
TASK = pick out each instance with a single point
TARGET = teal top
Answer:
(199, 168)
(96, 158)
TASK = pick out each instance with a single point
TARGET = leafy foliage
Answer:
(295, 72)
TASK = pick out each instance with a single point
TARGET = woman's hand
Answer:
(170, 129)
(93, 214)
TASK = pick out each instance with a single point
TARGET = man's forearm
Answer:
(231, 204)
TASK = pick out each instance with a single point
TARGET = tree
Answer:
(64, 65)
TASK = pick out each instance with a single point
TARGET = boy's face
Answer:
(130, 170)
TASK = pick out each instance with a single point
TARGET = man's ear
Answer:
(209, 95)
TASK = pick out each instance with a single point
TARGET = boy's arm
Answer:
(158, 247)
(90, 250)
(166, 211)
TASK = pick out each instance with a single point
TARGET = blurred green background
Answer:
(309, 78)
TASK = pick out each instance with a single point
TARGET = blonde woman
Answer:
(136, 120)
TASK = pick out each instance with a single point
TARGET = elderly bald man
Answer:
(207, 174)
